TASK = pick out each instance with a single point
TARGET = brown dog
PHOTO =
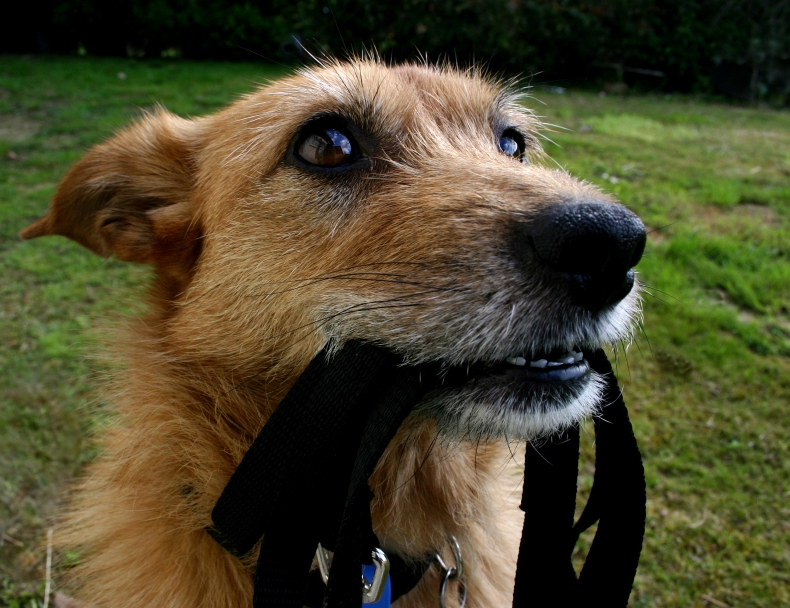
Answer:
(401, 206)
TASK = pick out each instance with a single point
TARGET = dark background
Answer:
(739, 48)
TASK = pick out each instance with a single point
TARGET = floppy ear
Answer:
(131, 196)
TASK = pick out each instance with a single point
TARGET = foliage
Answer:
(739, 47)
(708, 383)
(20, 595)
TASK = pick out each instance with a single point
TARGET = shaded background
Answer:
(739, 48)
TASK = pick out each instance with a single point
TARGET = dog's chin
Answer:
(515, 403)
(528, 396)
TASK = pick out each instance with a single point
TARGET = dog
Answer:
(407, 206)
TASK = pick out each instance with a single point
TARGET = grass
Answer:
(708, 383)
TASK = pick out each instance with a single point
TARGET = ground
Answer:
(707, 380)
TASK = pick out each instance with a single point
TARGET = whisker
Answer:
(652, 295)
(627, 363)
(639, 348)
(362, 307)
(661, 291)
(548, 139)
(341, 270)
(419, 467)
(644, 333)
(662, 227)
(351, 277)
(323, 321)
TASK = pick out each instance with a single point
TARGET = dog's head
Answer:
(403, 206)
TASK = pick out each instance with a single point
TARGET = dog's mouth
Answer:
(559, 365)
(524, 395)
(554, 367)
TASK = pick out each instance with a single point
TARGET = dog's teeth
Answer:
(520, 361)
(567, 358)
(553, 363)
(577, 356)
(541, 363)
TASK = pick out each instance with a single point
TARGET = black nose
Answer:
(594, 246)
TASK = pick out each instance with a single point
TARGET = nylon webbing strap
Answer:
(545, 575)
(619, 503)
(354, 542)
(304, 479)
(308, 420)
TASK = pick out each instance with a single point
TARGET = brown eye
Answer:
(326, 148)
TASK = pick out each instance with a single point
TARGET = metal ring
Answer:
(458, 569)
(459, 558)
(452, 574)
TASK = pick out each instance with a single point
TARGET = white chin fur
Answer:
(499, 411)
(502, 413)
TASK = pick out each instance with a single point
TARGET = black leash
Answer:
(545, 574)
(304, 481)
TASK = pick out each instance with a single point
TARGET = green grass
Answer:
(708, 383)
(54, 293)
(710, 392)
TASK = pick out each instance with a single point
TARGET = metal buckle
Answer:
(452, 573)
(371, 590)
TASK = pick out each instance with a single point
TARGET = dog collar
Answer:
(342, 412)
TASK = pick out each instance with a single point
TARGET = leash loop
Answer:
(452, 573)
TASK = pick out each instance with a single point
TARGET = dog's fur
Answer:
(260, 261)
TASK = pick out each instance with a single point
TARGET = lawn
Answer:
(707, 382)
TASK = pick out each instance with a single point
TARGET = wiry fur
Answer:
(260, 262)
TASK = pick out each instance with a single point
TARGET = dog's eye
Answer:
(326, 148)
(512, 144)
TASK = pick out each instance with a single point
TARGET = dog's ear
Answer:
(130, 197)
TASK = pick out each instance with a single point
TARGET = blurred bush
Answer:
(737, 47)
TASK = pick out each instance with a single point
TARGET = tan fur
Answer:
(259, 264)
